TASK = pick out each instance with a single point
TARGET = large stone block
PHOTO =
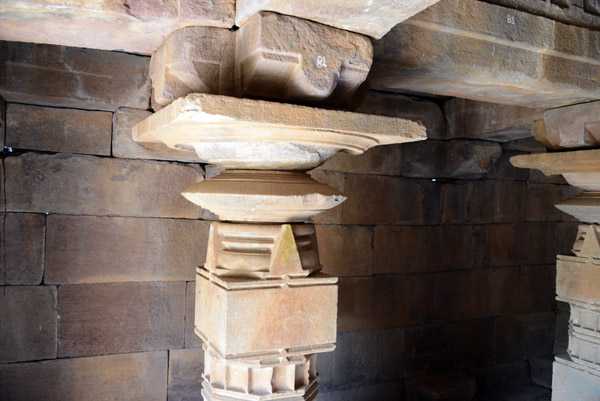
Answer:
(384, 301)
(381, 392)
(370, 19)
(29, 318)
(346, 250)
(520, 337)
(195, 59)
(70, 184)
(490, 121)
(577, 278)
(476, 293)
(68, 76)
(123, 145)
(571, 382)
(110, 318)
(185, 374)
(58, 130)
(513, 58)
(141, 376)
(23, 258)
(538, 285)
(413, 249)
(284, 57)
(384, 160)
(572, 127)
(135, 26)
(445, 386)
(584, 207)
(389, 200)
(88, 249)
(541, 198)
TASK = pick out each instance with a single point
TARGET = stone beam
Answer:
(575, 126)
(136, 26)
(373, 18)
(481, 51)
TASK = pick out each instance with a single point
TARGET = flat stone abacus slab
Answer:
(255, 134)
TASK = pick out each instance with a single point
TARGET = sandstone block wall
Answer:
(445, 265)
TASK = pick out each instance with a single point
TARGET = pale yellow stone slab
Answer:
(582, 161)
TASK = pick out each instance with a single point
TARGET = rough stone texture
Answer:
(537, 288)
(70, 184)
(193, 60)
(136, 26)
(447, 347)
(110, 318)
(239, 133)
(284, 57)
(384, 160)
(445, 386)
(346, 250)
(192, 340)
(384, 200)
(512, 58)
(362, 358)
(576, 279)
(381, 392)
(449, 159)
(522, 243)
(123, 145)
(371, 19)
(413, 249)
(140, 376)
(58, 130)
(481, 120)
(570, 382)
(185, 374)
(335, 180)
(572, 127)
(29, 319)
(519, 337)
(384, 301)
(23, 260)
(68, 76)
(461, 295)
(87, 249)
(541, 199)
(503, 170)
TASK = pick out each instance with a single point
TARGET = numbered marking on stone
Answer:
(321, 62)
(510, 19)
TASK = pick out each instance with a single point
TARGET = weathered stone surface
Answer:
(69, 184)
(571, 382)
(346, 250)
(264, 196)
(449, 159)
(58, 130)
(335, 180)
(384, 301)
(521, 244)
(452, 346)
(385, 200)
(283, 57)
(577, 278)
(502, 169)
(192, 340)
(141, 376)
(582, 161)
(29, 319)
(255, 134)
(445, 386)
(137, 26)
(528, 144)
(185, 374)
(384, 160)
(124, 146)
(520, 337)
(538, 284)
(381, 392)
(584, 207)
(572, 127)
(362, 358)
(541, 199)
(88, 249)
(587, 243)
(66, 76)
(490, 121)
(194, 59)
(512, 58)
(371, 19)
(24, 263)
(110, 318)
(567, 234)
(413, 249)
(470, 294)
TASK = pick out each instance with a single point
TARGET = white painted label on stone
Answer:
(321, 62)
(510, 19)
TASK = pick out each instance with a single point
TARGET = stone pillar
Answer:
(576, 375)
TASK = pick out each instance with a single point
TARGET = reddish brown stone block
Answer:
(29, 320)
(69, 76)
(24, 249)
(88, 249)
(384, 160)
(140, 376)
(387, 200)
(58, 130)
(100, 319)
(502, 169)
(345, 250)
(521, 244)
(427, 249)
(451, 346)
(384, 301)
(537, 288)
(476, 293)
(70, 184)
(520, 337)
(185, 374)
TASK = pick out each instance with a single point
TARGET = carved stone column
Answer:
(576, 376)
